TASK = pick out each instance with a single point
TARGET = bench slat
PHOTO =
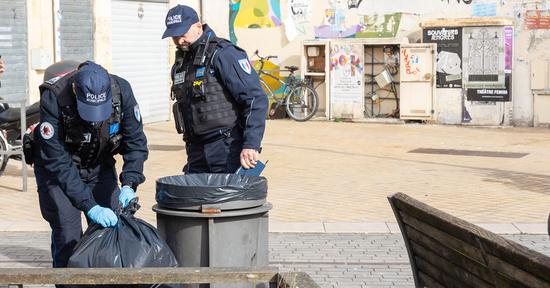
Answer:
(437, 274)
(434, 238)
(456, 272)
(134, 275)
(428, 281)
(510, 271)
(462, 247)
(529, 261)
(455, 257)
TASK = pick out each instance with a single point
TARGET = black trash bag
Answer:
(133, 243)
(182, 191)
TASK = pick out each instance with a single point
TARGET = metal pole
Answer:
(23, 130)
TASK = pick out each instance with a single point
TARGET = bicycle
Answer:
(299, 97)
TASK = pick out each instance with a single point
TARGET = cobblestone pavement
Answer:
(333, 260)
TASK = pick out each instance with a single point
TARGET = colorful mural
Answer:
(253, 14)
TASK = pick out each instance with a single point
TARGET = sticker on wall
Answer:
(449, 55)
(484, 9)
(379, 26)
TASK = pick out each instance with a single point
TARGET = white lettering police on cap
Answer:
(173, 19)
(46, 130)
(245, 65)
(92, 98)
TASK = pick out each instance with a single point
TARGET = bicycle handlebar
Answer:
(266, 57)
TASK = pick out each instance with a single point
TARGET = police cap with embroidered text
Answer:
(178, 20)
(93, 92)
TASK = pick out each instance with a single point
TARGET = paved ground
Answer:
(333, 260)
(334, 177)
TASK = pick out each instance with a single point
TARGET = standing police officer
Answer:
(220, 107)
(86, 117)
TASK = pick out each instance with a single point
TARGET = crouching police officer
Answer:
(86, 117)
(220, 107)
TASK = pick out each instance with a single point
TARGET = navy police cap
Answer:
(178, 20)
(93, 92)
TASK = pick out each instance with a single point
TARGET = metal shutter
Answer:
(76, 30)
(13, 48)
(141, 56)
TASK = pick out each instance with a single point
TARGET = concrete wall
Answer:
(40, 36)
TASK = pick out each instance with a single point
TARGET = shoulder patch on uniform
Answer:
(137, 114)
(245, 65)
(53, 80)
(46, 130)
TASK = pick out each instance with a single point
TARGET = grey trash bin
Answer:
(215, 220)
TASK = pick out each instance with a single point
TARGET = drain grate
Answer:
(469, 153)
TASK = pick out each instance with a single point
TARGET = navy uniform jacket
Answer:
(54, 157)
(244, 86)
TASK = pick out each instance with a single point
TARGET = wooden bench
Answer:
(17, 277)
(445, 251)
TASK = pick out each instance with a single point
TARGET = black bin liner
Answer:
(133, 243)
(181, 191)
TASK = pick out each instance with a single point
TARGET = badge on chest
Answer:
(179, 78)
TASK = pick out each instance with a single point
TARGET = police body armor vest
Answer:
(203, 105)
(87, 145)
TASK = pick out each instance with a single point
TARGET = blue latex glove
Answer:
(102, 216)
(126, 195)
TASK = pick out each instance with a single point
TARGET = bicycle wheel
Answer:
(3, 157)
(302, 102)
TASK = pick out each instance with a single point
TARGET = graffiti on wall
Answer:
(411, 61)
(354, 3)
(253, 14)
(459, 1)
(537, 19)
(370, 26)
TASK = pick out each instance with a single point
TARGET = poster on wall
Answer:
(449, 55)
(346, 74)
(484, 61)
(299, 16)
(496, 93)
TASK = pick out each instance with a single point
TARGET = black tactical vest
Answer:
(203, 106)
(88, 145)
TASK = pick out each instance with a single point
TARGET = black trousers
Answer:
(221, 156)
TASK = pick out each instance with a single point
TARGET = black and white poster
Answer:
(491, 94)
(449, 55)
(493, 63)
